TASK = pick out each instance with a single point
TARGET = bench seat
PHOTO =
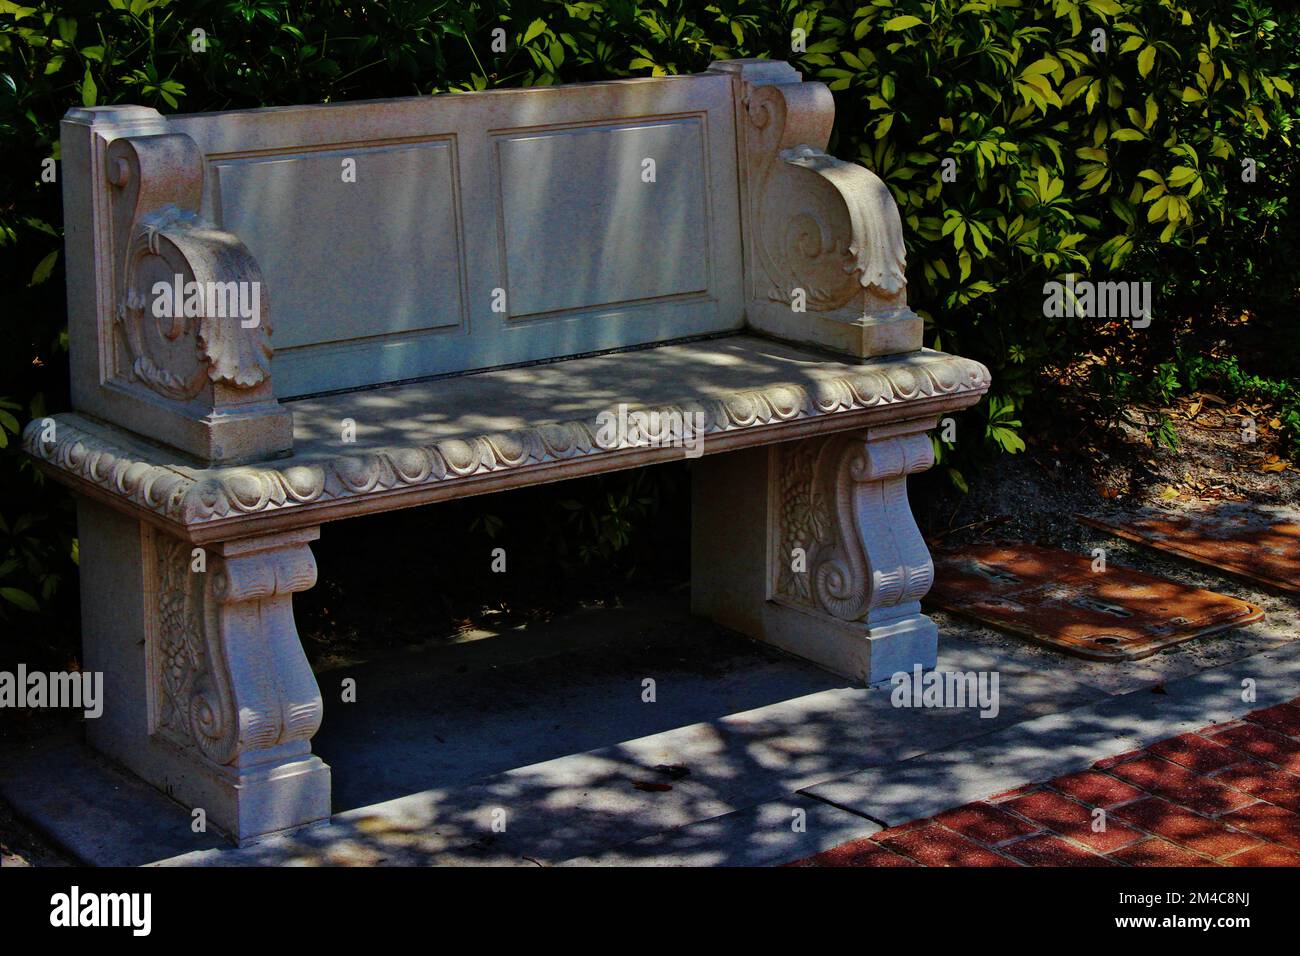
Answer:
(427, 441)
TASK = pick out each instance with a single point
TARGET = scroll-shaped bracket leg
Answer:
(836, 571)
(207, 692)
(233, 690)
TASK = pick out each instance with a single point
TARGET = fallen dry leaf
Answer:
(652, 787)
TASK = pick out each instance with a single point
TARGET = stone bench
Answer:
(472, 293)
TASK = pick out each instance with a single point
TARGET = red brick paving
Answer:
(1109, 762)
(1169, 780)
(1158, 853)
(1074, 820)
(1095, 789)
(1195, 753)
(1266, 854)
(939, 846)
(1264, 781)
(1227, 795)
(858, 853)
(1188, 829)
(1284, 718)
(1262, 744)
(988, 824)
(1269, 822)
(1048, 850)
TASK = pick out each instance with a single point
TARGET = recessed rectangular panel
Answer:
(593, 216)
(349, 250)
(542, 192)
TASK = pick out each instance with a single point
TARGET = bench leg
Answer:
(810, 545)
(208, 694)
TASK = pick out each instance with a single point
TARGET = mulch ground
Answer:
(1226, 795)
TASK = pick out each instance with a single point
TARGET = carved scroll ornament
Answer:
(843, 505)
(230, 677)
(820, 224)
(158, 182)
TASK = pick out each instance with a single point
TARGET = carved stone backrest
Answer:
(404, 238)
(423, 236)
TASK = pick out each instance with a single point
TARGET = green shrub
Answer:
(1124, 163)
(1121, 162)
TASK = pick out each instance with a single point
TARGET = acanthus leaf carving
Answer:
(818, 223)
(876, 249)
(158, 183)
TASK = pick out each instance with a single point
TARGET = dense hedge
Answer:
(1100, 137)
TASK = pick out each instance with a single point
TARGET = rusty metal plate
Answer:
(1259, 543)
(1057, 599)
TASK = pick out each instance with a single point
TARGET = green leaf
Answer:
(1009, 440)
(535, 29)
(44, 268)
(1146, 59)
(89, 92)
(902, 23)
(19, 599)
(1093, 178)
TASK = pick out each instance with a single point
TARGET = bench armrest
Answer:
(158, 181)
(825, 258)
(169, 317)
